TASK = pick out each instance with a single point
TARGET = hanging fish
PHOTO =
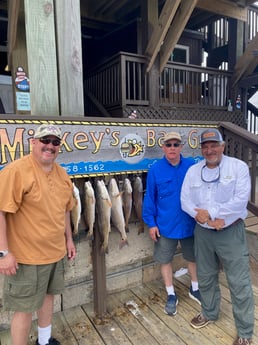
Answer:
(76, 211)
(103, 204)
(137, 200)
(117, 216)
(89, 208)
(127, 201)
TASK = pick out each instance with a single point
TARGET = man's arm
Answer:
(8, 264)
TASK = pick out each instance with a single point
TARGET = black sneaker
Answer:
(51, 341)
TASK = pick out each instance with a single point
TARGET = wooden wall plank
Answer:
(69, 51)
(41, 50)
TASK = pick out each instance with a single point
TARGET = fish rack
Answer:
(137, 181)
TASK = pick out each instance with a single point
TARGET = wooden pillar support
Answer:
(99, 275)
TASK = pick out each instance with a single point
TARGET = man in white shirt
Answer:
(215, 192)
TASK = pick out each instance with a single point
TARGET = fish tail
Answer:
(90, 236)
(104, 249)
(141, 228)
(123, 242)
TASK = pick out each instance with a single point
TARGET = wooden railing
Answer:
(122, 81)
(189, 84)
(252, 22)
(244, 145)
(118, 82)
(252, 119)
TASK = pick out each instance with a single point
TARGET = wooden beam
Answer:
(13, 14)
(97, 104)
(159, 33)
(177, 27)
(251, 67)
(246, 62)
(19, 60)
(42, 59)
(250, 2)
(69, 52)
(249, 81)
(224, 8)
(99, 273)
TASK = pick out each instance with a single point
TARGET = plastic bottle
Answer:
(238, 102)
(230, 107)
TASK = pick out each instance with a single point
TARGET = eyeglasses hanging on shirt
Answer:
(213, 173)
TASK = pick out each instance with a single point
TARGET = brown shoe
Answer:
(199, 321)
(242, 341)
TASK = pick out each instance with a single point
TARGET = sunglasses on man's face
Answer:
(46, 141)
(174, 144)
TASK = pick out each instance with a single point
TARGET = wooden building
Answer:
(166, 59)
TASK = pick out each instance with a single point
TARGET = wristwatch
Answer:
(3, 253)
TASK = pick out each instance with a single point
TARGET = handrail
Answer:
(243, 145)
(191, 84)
(122, 81)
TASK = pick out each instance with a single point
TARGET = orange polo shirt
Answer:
(35, 203)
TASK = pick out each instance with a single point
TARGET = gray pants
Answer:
(229, 247)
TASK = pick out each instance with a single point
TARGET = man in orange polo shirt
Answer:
(35, 234)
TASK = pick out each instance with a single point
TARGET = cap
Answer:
(172, 135)
(211, 134)
(47, 129)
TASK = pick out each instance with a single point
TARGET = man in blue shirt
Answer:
(168, 223)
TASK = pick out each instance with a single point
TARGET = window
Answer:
(180, 54)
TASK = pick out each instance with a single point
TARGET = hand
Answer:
(71, 250)
(217, 223)
(8, 265)
(154, 233)
(202, 215)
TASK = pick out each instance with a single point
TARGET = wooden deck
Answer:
(135, 316)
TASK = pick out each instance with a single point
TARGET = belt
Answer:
(226, 227)
(234, 223)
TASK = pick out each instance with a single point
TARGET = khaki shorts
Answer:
(25, 291)
(165, 249)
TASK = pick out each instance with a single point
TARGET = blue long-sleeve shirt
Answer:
(161, 205)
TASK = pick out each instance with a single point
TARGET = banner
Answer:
(91, 148)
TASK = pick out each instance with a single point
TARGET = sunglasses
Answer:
(174, 144)
(46, 141)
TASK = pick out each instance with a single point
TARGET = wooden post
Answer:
(69, 52)
(42, 59)
(99, 275)
(149, 10)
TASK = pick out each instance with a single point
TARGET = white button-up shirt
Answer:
(223, 191)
